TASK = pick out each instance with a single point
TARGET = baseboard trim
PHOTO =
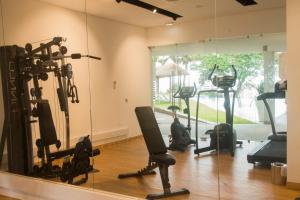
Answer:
(121, 141)
(167, 112)
(12, 185)
(100, 137)
(292, 185)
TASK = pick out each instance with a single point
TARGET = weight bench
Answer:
(158, 156)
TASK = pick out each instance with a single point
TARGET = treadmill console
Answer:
(280, 86)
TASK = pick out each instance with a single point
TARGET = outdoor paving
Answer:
(255, 132)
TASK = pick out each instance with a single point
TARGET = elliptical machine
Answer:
(223, 136)
(180, 135)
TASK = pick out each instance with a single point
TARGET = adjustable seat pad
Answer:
(152, 135)
(163, 159)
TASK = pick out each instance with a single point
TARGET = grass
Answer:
(207, 113)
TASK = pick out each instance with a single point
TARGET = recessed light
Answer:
(154, 11)
(170, 24)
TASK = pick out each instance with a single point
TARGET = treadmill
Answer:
(274, 149)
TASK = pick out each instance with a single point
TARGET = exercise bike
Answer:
(180, 136)
(223, 136)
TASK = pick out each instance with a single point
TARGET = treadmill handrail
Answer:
(197, 112)
(197, 108)
(270, 116)
(271, 95)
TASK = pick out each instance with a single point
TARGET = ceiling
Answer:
(191, 10)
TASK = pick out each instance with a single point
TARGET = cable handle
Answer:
(213, 71)
(74, 94)
(234, 73)
(177, 92)
(195, 90)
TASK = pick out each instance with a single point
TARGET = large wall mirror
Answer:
(255, 45)
(73, 72)
(46, 91)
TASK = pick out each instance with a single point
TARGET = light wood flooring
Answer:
(238, 179)
(6, 198)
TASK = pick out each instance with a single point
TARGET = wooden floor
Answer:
(238, 179)
(6, 198)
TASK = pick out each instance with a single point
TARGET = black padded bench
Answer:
(158, 156)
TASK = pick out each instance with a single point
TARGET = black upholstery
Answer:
(152, 135)
(173, 108)
(163, 159)
(46, 124)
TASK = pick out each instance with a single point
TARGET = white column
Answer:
(269, 80)
(157, 90)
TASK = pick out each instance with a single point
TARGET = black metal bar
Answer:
(152, 8)
(204, 149)
(55, 41)
(187, 102)
(196, 151)
(197, 115)
(76, 56)
(227, 105)
(270, 116)
(3, 140)
(232, 107)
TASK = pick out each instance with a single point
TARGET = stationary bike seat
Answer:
(173, 108)
(166, 158)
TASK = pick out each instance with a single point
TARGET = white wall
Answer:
(265, 21)
(125, 59)
(127, 62)
(293, 32)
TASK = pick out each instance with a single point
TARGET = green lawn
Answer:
(206, 113)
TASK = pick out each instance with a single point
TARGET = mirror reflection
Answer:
(41, 94)
(149, 99)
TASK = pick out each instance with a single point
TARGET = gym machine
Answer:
(24, 105)
(274, 148)
(180, 135)
(223, 136)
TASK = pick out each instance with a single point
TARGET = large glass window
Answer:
(257, 69)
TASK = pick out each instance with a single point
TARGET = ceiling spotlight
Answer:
(152, 8)
(170, 24)
(247, 2)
